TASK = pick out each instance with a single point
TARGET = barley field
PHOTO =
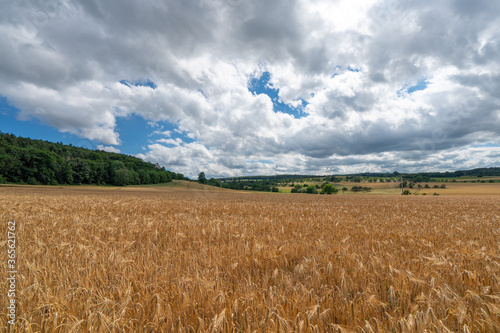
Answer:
(189, 260)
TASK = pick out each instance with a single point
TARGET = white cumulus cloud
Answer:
(351, 64)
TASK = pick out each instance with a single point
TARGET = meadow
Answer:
(199, 259)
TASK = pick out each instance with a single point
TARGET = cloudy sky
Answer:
(234, 87)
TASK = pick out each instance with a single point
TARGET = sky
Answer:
(236, 88)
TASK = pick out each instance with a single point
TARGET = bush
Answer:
(328, 189)
(361, 188)
(311, 190)
(31, 181)
(275, 189)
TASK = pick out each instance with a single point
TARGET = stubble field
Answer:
(178, 260)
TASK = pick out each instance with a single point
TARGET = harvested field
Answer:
(163, 259)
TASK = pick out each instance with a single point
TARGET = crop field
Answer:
(458, 188)
(178, 259)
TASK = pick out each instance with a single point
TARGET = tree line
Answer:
(237, 184)
(34, 162)
(426, 176)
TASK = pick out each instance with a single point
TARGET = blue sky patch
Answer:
(139, 83)
(353, 69)
(262, 86)
(136, 133)
(173, 133)
(35, 129)
(421, 85)
(488, 145)
(335, 71)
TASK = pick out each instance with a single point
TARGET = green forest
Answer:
(37, 162)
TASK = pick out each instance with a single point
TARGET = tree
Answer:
(117, 165)
(165, 177)
(311, 190)
(101, 174)
(201, 178)
(81, 171)
(133, 177)
(155, 177)
(121, 177)
(329, 189)
(144, 177)
(67, 174)
(335, 179)
(214, 182)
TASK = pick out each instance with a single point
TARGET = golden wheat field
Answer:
(172, 260)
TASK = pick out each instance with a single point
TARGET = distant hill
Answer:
(28, 161)
(479, 172)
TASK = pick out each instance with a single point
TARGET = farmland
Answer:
(452, 188)
(189, 258)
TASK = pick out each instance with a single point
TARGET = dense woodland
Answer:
(27, 161)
